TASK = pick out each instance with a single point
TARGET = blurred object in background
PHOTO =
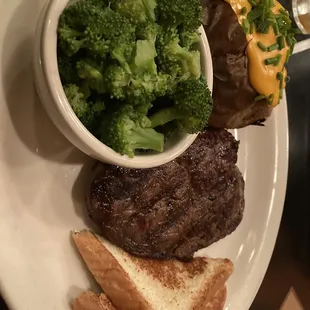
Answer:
(301, 12)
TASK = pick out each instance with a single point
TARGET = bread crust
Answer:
(112, 278)
(92, 301)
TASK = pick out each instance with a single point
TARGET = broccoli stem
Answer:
(164, 116)
(147, 139)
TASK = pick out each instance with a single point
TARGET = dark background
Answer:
(290, 263)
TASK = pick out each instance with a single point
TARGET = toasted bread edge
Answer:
(112, 278)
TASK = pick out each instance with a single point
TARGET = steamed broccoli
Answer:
(126, 131)
(92, 74)
(192, 108)
(85, 111)
(138, 11)
(67, 69)
(183, 13)
(189, 39)
(179, 62)
(118, 58)
(143, 84)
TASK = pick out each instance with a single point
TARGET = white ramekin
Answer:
(51, 94)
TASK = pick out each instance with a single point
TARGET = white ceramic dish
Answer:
(41, 188)
(56, 104)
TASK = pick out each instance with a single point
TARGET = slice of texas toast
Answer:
(133, 283)
(218, 300)
(92, 301)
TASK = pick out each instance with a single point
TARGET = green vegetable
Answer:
(273, 60)
(118, 58)
(280, 78)
(193, 106)
(173, 59)
(92, 74)
(189, 39)
(186, 14)
(245, 25)
(126, 131)
(87, 112)
(280, 41)
(261, 46)
(260, 97)
(243, 10)
(270, 98)
(273, 47)
(252, 27)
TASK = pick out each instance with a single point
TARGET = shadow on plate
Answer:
(80, 191)
(30, 122)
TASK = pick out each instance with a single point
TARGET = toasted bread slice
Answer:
(133, 283)
(218, 300)
(91, 301)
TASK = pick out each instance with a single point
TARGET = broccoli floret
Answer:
(185, 13)
(122, 49)
(192, 107)
(85, 111)
(143, 84)
(126, 131)
(90, 26)
(117, 79)
(69, 40)
(138, 11)
(189, 39)
(91, 73)
(66, 67)
(177, 61)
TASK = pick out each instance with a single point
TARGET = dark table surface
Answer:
(290, 263)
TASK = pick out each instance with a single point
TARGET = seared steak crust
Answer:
(172, 210)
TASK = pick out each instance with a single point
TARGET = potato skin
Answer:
(233, 96)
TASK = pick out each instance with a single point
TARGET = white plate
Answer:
(41, 188)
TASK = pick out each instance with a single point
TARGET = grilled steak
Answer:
(172, 210)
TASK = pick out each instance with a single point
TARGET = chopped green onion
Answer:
(273, 60)
(261, 46)
(254, 14)
(260, 97)
(280, 41)
(288, 54)
(296, 31)
(273, 47)
(279, 76)
(281, 94)
(252, 2)
(245, 25)
(252, 26)
(289, 40)
(266, 28)
(270, 98)
(270, 4)
(243, 10)
(284, 12)
(275, 28)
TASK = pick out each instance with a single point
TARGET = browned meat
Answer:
(233, 96)
(175, 209)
